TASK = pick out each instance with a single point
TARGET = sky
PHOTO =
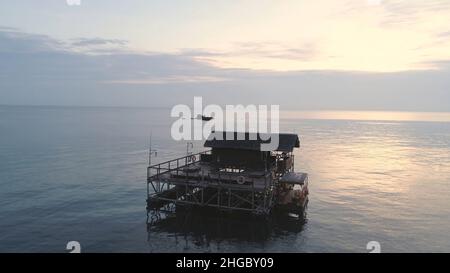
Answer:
(391, 55)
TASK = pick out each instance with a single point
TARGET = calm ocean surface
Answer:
(69, 173)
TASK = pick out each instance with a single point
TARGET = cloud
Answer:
(263, 55)
(100, 46)
(12, 40)
(169, 80)
(262, 49)
(37, 69)
(5, 28)
(265, 49)
(445, 35)
(43, 60)
(82, 42)
(399, 12)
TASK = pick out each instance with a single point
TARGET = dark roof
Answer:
(294, 178)
(251, 141)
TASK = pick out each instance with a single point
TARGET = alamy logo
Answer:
(374, 247)
(73, 2)
(74, 247)
(236, 118)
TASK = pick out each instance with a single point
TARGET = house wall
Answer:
(239, 158)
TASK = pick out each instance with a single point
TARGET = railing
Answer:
(222, 190)
(173, 165)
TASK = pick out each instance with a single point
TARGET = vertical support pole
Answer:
(293, 161)
(265, 192)
(148, 175)
(253, 196)
(150, 151)
(158, 171)
(218, 191)
(218, 197)
(148, 192)
(265, 181)
(203, 195)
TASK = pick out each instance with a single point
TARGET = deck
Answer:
(206, 174)
(190, 180)
(235, 175)
(194, 180)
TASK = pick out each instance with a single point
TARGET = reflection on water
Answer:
(196, 229)
(78, 174)
(368, 115)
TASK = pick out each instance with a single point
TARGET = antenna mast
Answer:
(151, 151)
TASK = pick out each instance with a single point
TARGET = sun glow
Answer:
(386, 36)
(368, 115)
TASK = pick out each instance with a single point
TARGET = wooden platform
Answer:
(205, 174)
